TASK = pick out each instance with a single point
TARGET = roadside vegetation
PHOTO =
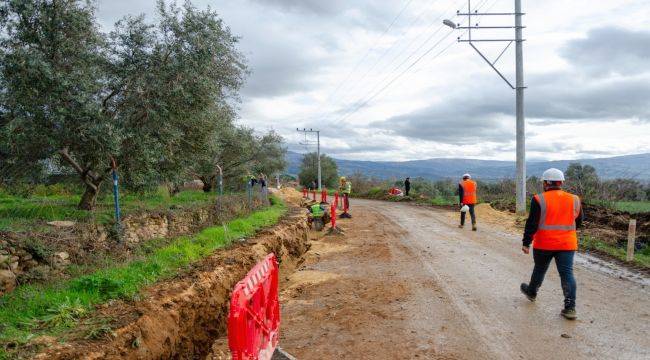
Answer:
(641, 257)
(29, 211)
(34, 310)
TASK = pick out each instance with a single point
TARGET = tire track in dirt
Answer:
(363, 295)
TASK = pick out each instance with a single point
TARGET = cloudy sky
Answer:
(384, 80)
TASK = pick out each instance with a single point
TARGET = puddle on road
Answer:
(606, 267)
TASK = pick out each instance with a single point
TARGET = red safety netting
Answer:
(254, 319)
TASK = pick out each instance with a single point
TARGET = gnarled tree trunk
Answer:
(89, 178)
(89, 197)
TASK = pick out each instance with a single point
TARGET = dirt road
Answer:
(405, 282)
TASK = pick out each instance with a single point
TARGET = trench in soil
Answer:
(182, 318)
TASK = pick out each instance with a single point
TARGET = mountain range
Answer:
(628, 166)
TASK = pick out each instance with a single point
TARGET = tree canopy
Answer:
(158, 98)
(309, 170)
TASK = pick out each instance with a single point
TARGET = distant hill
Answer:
(629, 166)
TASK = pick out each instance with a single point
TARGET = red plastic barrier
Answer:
(323, 195)
(304, 192)
(336, 199)
(333, 215)
(254, 319)
(313, 194)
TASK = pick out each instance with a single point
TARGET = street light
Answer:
(449, 23)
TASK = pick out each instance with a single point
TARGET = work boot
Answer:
(473, 227)
(524, 290)
(569, 313)
(460, 226)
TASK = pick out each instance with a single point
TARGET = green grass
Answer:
(441, 201)
(24, 213)
(633, 207)
(641, 257)
(49, 309)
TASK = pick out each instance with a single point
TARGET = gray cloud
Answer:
(568, 96)
(318, 7)
(461, 121)
(610, 50)
(279, 68)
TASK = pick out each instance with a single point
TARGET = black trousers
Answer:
(471, 213)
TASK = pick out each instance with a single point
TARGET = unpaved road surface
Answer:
(404, 282)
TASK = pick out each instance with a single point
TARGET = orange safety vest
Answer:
(557, 221)
(469, 191)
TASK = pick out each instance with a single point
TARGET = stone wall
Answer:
(40, 256)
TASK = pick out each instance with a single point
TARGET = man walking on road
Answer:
(551, 227)
(407, 185)
(467, 196)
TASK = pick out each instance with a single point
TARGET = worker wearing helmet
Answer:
(551, 227)
(345, 188)
(467, 196)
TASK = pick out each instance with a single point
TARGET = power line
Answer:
(361, 103)
(370, 49)
(386, 52)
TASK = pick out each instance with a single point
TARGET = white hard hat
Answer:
(467, 176)
(553, 174)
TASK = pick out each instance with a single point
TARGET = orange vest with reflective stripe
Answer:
(469, 191)
(557, 221)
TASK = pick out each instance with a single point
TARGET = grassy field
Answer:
(641, 258)
(33, 310)
(633, 207)
(26, 213)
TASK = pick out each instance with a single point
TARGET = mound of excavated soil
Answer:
(182, 317)
(486, 214)
(289, 195)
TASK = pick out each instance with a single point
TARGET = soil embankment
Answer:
(182, 317)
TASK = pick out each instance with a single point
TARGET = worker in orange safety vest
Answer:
(551, 227)
(467, 196)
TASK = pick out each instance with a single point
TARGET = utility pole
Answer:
(519, 83)
(521, 123)
(305, 131)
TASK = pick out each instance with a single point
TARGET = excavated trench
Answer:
(183, 317)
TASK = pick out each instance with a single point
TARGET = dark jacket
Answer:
(407, 184)
(533, 221)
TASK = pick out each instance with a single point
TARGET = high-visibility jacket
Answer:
(317, 211)
(346, 188)
(557, 221)
(469, 191)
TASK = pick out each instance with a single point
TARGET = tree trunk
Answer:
(207, 187)
(89, 197)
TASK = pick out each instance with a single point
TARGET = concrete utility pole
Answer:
(519, 83)
(305, 131)
(521, 123)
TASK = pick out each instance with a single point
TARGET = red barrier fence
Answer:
(336, 199)
(313, 194)
(333, 215)
(304, 192)
(323, 195)
(254, 319)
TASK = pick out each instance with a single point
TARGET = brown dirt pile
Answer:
(487, 215)
(182, 317)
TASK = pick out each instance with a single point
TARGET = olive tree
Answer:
(309, 170)
(239, 152)
(147, 95)
(53, 88)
